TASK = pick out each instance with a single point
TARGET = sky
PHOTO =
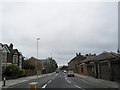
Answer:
(64, 28)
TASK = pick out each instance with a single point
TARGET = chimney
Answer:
(86, 55)
(11, 46)
(89, 54)
(77, 54)
(118, 51)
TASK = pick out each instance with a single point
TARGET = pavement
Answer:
(106, 83)
(21, 80)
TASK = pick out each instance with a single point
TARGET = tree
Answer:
(28, 65)
(51, 65)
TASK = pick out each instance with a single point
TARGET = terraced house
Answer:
(104, 66)
(72, 64)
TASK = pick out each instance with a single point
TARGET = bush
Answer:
(23, 73)
(12, 71)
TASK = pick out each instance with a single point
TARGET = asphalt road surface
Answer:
(60, 80)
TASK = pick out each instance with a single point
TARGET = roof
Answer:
(1, 44)
(89, 58)
(15, 50)
(5, 46)
(115, 54)
(104, 56)
(76, 58)
(42, 60)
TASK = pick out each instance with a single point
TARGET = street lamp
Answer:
(0, 65)
(37, 55)
(37, 46)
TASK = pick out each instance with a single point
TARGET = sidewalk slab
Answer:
(105, 83)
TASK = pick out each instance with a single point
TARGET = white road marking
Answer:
(56, 75)
(44, 86)
(66, 78)
(79, 87)
(49, 81)
(68, 81)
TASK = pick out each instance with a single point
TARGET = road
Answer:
(60, 80)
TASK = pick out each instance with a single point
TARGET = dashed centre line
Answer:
(44, 86)
(79, 87)
(49, 81)
(68, 81)
(65, 78)
(56, 75)
(74, 85)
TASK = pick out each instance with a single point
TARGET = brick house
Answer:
(107, 65)
(104, 66)
(72, 65)
(11, 56)
(43, 62)
(17, 58)
(86, 67)
(37, 64)
(6, 53)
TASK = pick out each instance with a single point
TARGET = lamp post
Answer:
(37, 56)
(0, 65)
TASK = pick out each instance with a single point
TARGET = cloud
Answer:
(64, 28)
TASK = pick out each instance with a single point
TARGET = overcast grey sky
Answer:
(64, 28)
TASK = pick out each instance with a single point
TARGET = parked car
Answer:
(70, 74)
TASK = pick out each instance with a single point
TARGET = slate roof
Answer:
(1, 44)
(12, 51)
(15, 50)
(81, 57)
(42, 60)
(89, 58)
(103, 56)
